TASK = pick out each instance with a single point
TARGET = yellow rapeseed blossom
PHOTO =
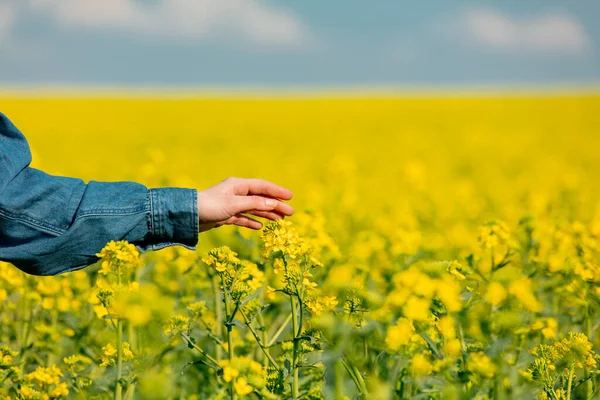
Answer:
(496, 293)
(109, 354)
(479, 363)
(420, 365)
(399, 335)
(522, 290)
(364, 263)
(119, 256)
(245, 374)
(417, 308)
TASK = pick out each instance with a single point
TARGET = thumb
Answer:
(243, 204)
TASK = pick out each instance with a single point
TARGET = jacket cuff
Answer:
(173, 217)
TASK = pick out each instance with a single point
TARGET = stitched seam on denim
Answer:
(112, 211)
(160, 214)
(153, 213)
(149, 215)
(49, 228)
(112, 214)
(195, 217)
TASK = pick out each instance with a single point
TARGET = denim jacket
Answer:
(54, 224)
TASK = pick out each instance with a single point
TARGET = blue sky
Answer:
(299, 43)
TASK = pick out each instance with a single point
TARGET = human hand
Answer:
(227, 201)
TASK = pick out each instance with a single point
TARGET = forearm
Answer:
(52, 224)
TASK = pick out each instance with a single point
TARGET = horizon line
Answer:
(209, 91)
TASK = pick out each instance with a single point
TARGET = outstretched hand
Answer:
(226, 203)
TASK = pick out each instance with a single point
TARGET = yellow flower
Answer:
(49, 376)
(119, 256)
(417, 309)
(230, 373)
(522, 290)
(496, 293)
(177, 324)
(399, 335)
(271, 293)
(420, 365)
(28, 393)
(60, 390)
(6, 356)
(126, 351)
(448, 291)
(108, 353)
(446, 325)
(551, 329)
(479, 363)
(318, 306)
(452, 347)
(241, 386)
(493, 233)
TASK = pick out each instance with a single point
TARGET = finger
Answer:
(242, 204)
(244, 221)
(284, 208)
(272, 215)
(261, 187)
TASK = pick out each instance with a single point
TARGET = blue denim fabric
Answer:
(54, 224)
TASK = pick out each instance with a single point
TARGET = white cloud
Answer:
(7, 19)
(549, 33)
(180, 19)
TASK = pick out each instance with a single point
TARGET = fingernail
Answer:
(271, 203)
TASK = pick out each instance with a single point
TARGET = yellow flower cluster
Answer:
(43, 384)
(178, 324)
(109, 354)
(239, 277)
(280, 236)
(319, 305)
(480, 364)
(119, 257)
(561, 359)
(415, 290)
(400, 334)
(6, 356)
(492, 234)
(350, 297)
(246, 374)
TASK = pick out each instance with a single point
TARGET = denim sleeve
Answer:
(54, 224)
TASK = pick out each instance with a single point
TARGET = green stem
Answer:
(118, 387)
(570, 383)
(361, 381)
(301, 315)
(130, 393)
(218, 315)
(25, 327)
(131, 337)
(229, 328)
(51, 356)
(263, 333)
(339, 380)
(260, 343)
(356, 377)
(295, 353)
(23, 322)
(189, 342)
(588, 328)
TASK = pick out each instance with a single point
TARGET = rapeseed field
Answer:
(443, 247)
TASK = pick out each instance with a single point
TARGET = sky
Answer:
(307, 43)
